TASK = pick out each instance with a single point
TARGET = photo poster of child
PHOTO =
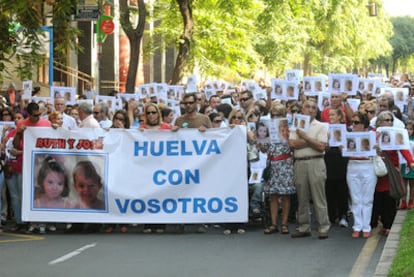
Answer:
(350, 83)
(191, 84)
(313, 85)
(108, 100)
(27, 86)
(262, 131)
(277, 89)
(256, 169)
(161, 90)
(175, 92)
(68, 93)
(359, 144)
(295, 75)
(323, 100)
(251, 85)
(393, 138)
(400, 97)
(336, 134)
(334, 83)
(124, 98)
(290, 90)
(378, 88)
(278, 130)
(143, 92)
(301, 121)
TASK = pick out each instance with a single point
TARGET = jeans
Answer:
(256, 195)
(14, 184)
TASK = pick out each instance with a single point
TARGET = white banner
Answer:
(132, 176)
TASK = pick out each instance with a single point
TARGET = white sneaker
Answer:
(52, 228)
(227, 232)
(147, 230)
(343, 223)
(241, 231)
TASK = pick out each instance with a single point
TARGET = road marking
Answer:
(20, 237)
(72, 254)
(365, 255)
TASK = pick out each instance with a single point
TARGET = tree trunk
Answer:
(185, 41)
(135, 36)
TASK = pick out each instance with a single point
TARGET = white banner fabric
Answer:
(133, 176)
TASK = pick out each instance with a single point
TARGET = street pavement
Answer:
(189, 254)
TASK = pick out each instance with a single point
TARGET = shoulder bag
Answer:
(396, 183)
(379, 166)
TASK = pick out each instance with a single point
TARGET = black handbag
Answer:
(396, 183)
(267, 172)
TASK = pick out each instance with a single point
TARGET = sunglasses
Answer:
(238, 117)
(152, 112)
(389, 120)
(294, 111)
(244, 99)
(36, 115)
(368, 111)
(356, 122)
(217, 121)
(253, 114)
(5, 114)
(199, 99)
(119, 118)
(188, 103)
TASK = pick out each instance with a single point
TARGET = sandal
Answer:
(284, 229)
(270, 230)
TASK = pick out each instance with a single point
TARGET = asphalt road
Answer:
(188, 254)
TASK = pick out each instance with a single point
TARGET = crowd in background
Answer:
(307, 174)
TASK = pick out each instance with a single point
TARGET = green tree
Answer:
(402, 41)
(220, 40)
(134, 35)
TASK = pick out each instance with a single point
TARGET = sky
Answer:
(399, 7)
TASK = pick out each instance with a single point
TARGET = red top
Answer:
(16, 163)
(325, 114)
(383, 182)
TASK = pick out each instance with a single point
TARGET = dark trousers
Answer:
(337, 198)
(384, 208)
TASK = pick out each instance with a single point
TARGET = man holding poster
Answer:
(310, 173)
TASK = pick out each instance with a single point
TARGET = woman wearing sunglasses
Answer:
(361, 179)
(385, 206)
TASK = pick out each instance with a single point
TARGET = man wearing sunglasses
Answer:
(33, 120)
(386, 103)
(191, 118)
(246, 100)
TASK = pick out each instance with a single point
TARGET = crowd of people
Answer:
(306, 173)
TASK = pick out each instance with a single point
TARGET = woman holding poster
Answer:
(336, 187)
(281, 184)
(361, 181)
(384, 205)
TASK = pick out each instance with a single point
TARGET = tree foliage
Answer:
(134, 34)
